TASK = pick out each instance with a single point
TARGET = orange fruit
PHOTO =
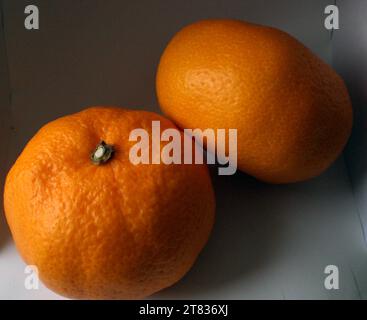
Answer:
(114, 230)
(292, 112)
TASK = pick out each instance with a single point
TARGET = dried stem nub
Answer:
(102, 153)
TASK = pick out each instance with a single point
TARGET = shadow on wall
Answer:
(245, 238)
(106, 53)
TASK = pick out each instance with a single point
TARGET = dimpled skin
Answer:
(292, 111)
(117, 230)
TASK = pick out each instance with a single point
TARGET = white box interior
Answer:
(269, 241)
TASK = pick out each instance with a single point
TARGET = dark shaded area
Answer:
(349, 60)
(4, 230)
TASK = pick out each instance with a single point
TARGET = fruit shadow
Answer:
(356, 151)
(4, 230)
(5, 235)
(245, 237)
